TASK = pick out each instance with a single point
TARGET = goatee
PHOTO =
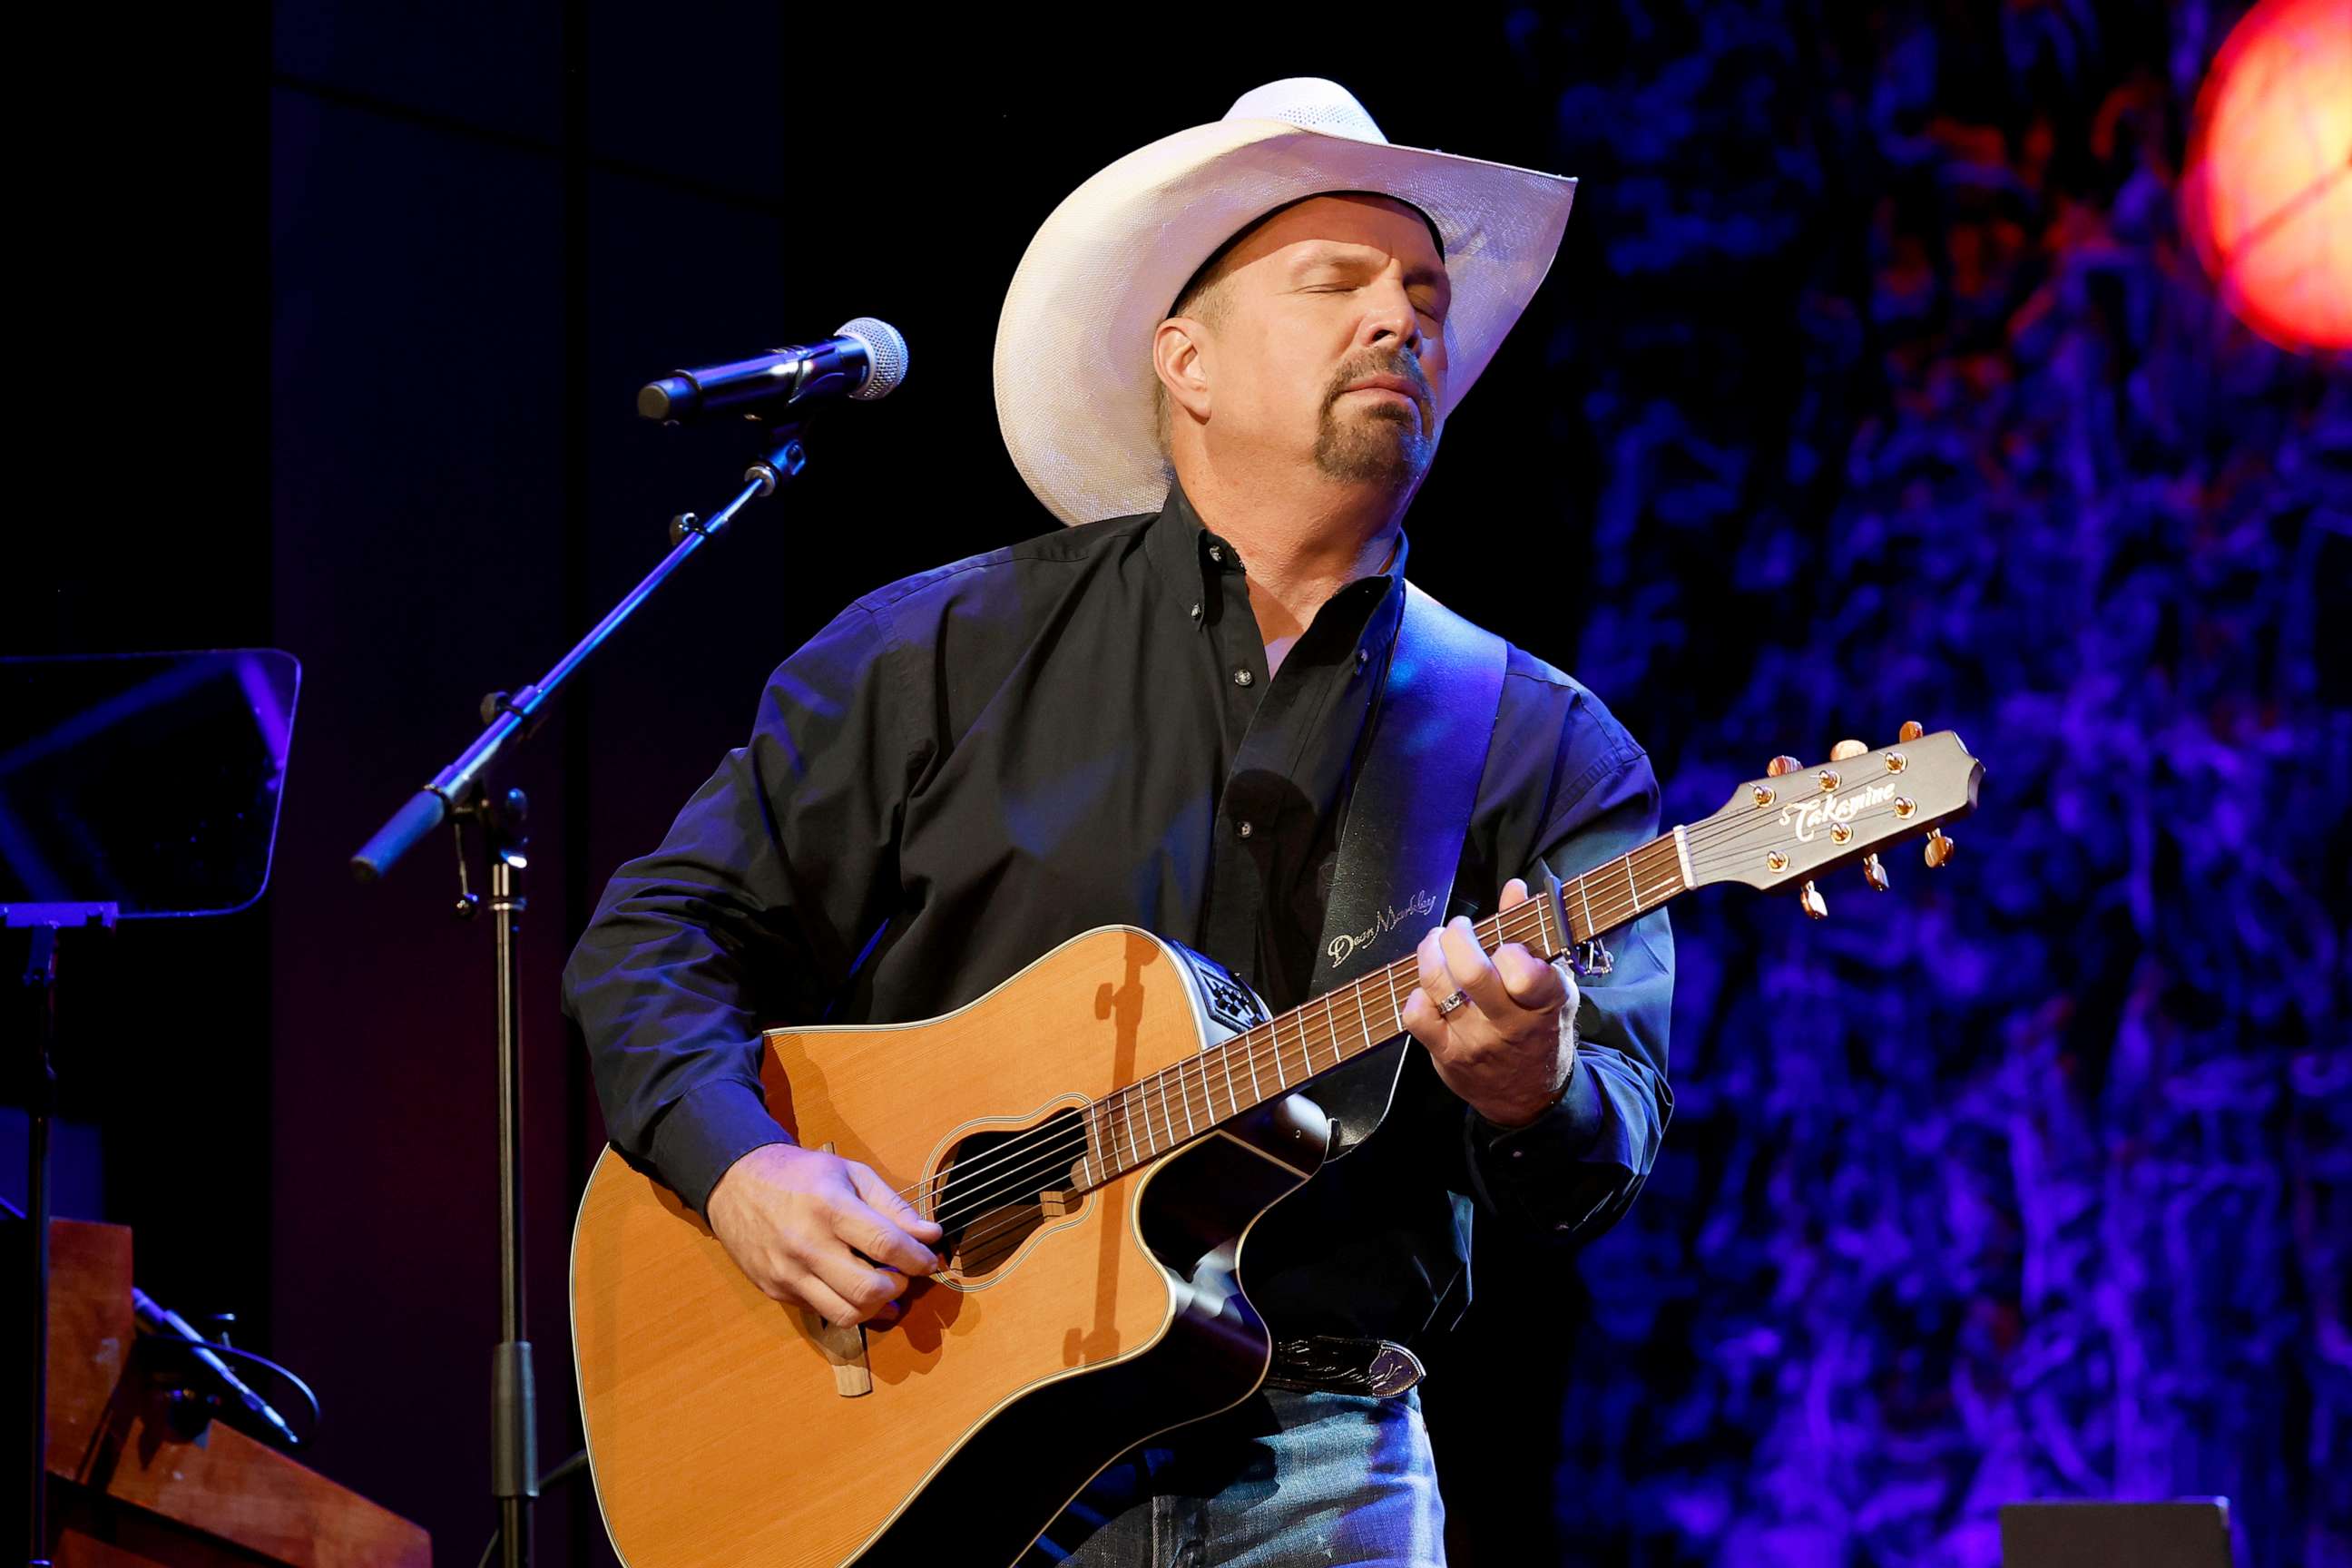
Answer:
(1380, 444)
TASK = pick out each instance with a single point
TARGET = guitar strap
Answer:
(1400, 839)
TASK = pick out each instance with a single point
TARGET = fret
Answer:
(1122, 1125)
(1585, 894)
(1636, 887)
(1274, 1027)
(1233, 1101)
(1257, 1095)
(1363, 1022)
(1332, 1028)
(1659, 873)
(1154, 1138)
(1545, 936)
(1184, 1094)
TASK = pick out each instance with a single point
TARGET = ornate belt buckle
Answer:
(1394, 1369)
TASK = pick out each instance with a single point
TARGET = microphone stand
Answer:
(46, 922)
(459, 792)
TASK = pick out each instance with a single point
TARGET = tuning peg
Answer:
(1810, 900)
(1783, 763)
(1845, 749)
(1874, 873)
(1910, 730)
(1939, 848)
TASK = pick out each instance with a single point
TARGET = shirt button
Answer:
(1244, 829)
(1363, 656)
(1216, 554)
(1242, 678)
(1519, 1153)
(1196, 609)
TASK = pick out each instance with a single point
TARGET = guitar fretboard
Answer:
(1130, 1127)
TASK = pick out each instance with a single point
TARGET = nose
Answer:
(1389, 315)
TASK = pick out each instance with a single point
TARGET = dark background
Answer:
(1874, 381)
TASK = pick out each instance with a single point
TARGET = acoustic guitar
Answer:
(1097, 1136)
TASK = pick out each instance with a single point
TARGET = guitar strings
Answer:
(1066, 1145)
(1036, 1151)
(1616, 907)
(1522, 922)
(1173, 1078)
(1042, 1149)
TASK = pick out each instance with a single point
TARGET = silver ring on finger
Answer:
(1450, 1004)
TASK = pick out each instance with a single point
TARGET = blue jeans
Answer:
(1284, 1479)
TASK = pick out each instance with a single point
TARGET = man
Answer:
(1227, 361)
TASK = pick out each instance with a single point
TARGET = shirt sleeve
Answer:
(1574, 1170)
(753, 910)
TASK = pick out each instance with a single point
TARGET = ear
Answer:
(1178, 356)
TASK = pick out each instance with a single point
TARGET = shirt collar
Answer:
(1185, 553)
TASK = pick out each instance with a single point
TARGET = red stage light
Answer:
(2268, 194)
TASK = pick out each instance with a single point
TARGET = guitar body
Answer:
(725, 1427)
(1083, 1309)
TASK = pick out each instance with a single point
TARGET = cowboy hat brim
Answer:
(1072, 361)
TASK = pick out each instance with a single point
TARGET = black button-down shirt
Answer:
(971, 765)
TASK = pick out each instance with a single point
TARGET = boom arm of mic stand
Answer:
(454, 785)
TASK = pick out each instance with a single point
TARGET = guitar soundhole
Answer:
(997, 1188)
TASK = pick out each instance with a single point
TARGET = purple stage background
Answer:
(1874, 382)
(2032, 1178)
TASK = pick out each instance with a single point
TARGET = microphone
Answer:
(164, 1322)
(864, 360)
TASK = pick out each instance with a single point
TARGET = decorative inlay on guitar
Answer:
(1095, 1136)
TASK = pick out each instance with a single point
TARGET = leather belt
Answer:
(1382, 1368)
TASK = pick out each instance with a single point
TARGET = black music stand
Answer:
(133, 786)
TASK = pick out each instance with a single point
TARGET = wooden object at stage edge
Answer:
(125, 1490)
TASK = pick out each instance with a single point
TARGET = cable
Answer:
(189, 1347)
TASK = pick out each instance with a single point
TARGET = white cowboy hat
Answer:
(1074, 376)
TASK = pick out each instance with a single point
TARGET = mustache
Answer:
(1404, 368)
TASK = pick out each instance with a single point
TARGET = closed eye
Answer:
(1421, 306)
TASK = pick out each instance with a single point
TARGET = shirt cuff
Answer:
(706, 1132)
(1570, 1124)
(1570, 1127)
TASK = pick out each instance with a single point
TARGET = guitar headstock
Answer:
(1797, 823)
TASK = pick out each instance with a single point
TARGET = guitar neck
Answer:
(1133, 1126)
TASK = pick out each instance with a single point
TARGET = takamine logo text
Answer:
(1809, 816)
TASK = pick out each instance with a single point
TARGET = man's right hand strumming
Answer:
(808, 1228)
